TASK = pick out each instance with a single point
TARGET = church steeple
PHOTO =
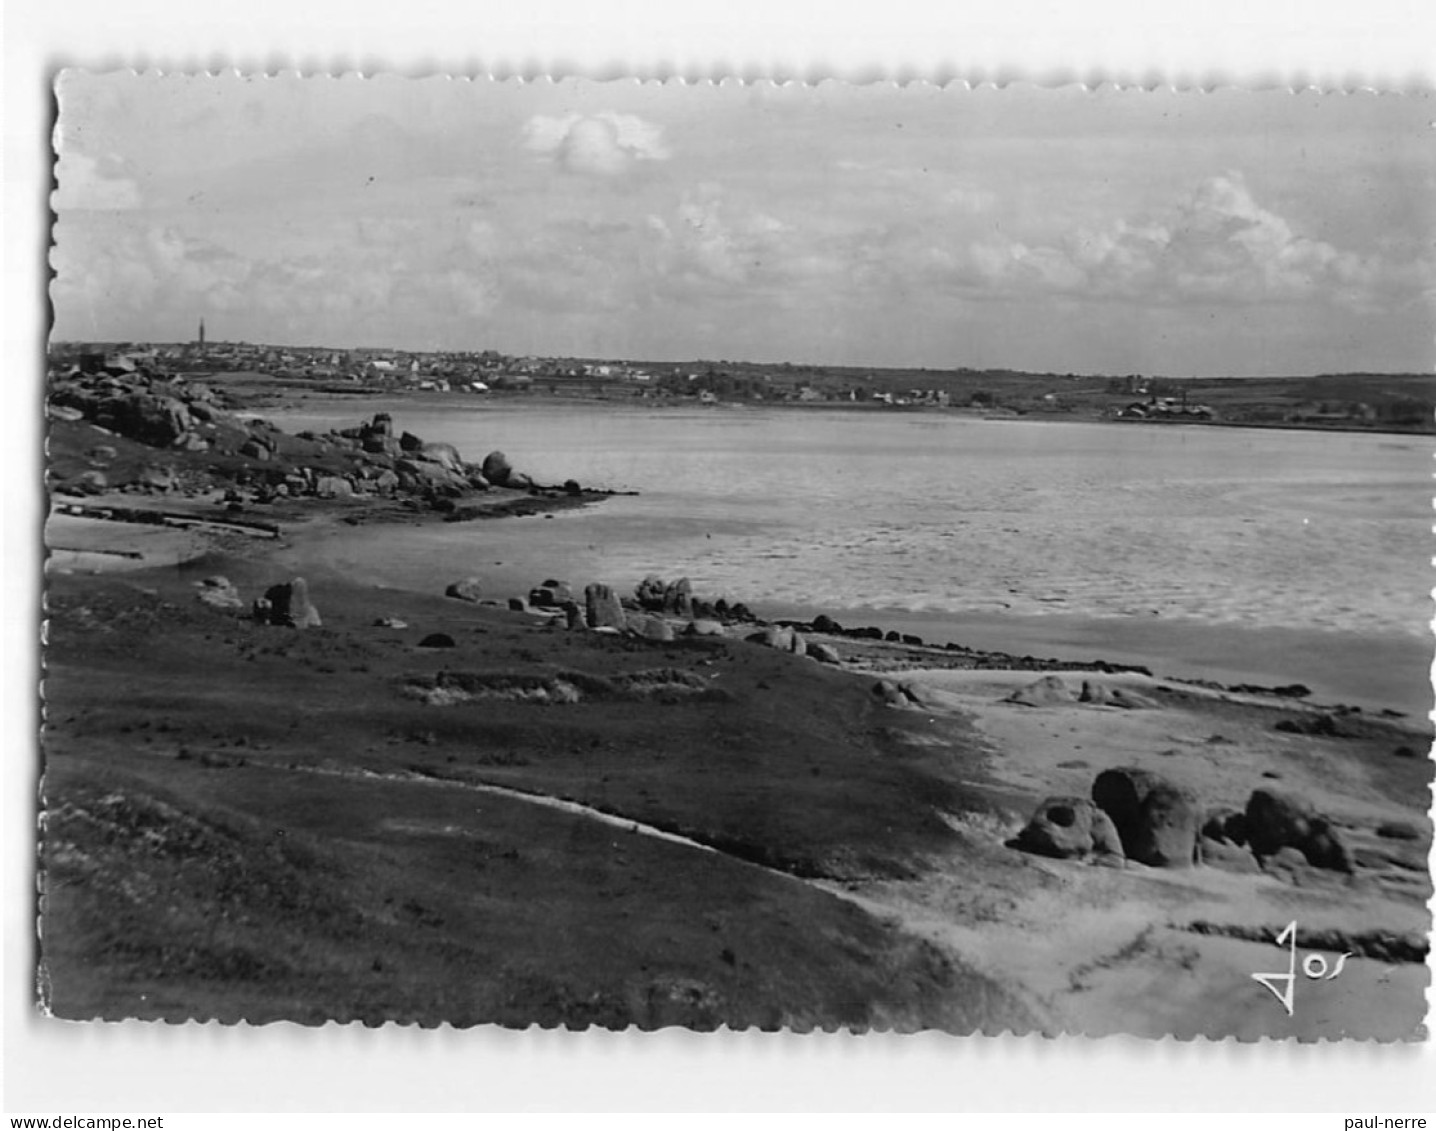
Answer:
(201, 331)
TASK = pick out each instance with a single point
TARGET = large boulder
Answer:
(1070, 828)
(824, 653)
(1158, 822)
(289, 606)
(1167, 829)
(496, 468)
(469, 589)
(602, 607)
(1046, 692)
(1276, 820)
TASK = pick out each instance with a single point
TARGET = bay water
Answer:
(1202, 551)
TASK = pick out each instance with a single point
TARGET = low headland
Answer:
(272, 793)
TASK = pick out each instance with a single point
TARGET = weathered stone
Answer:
(1098, 693)
(517, 605)
(219, 593)
(410, 443)
(602, 607)
(1069, 828)
(651, 628)
(703, 627)
(824, 653)
(496, 468)
(469, 589)
(826, 625)
(650, 592)
(389, 622)
(573, 614)
(290, 606)
(678, 598)
(333, 487)
(1227, 857)
(1120, 793)
(550, 595)
(890, 693)
(1167, 829)
(1226, 825)
(437, 640)
(1046, 692)
(445, 455)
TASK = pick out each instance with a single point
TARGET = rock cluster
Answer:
(1157, 822)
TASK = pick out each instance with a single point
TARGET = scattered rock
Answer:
(1098, 693)
(1317, 726)
(437, 640)
(652, 628)
(573, 614)
(468, 589)
(1046, 692)
(517, 605)
(1069, 828)
(824, 653)
(445, 455)
(602, 607)
(703, 627)
(1228, 857)
(389, 622)
(288, 605)
(889, 693)
(219, 593)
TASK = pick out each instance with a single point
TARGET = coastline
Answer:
(813, 839)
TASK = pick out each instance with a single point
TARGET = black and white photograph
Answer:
(768, 556)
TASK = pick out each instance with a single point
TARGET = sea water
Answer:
(1278, 554)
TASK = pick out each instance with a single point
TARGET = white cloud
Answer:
(603, 144)
(1217, 245)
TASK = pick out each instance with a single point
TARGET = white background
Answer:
(53, 1067)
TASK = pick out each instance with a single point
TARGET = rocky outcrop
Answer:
(1070, 828)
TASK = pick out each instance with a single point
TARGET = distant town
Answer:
(1368, 401)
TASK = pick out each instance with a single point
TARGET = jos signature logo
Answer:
(1314, 966)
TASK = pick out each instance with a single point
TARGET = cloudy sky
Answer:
(1109, 232)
